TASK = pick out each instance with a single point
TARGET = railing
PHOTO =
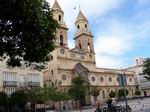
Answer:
(33, 84)
(9, 83)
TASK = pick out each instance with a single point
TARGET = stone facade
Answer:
(68, 63)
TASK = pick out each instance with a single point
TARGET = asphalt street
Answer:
(137, 105)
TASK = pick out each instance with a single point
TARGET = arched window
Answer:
(110, 79)
(89, 49)
(132, 92)
(59, 17)
(101, 79)
(64, 77)
(85, 26)
(52, 72)
(117, 79)
(130, 79)
(61, 40)
(103, 94)
(80, 46)
(78, 27)
(93, 79)
(90, 56)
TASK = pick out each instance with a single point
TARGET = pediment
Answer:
(80, 69)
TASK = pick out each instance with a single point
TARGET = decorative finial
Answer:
(79, 7)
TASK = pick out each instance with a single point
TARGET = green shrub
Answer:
(138, 93)
(121, 92)
(3, 99)
(112, 94)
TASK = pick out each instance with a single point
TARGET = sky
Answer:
(121, 28)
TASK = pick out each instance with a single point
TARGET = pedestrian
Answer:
(98, 109)
(53, 107)
(109, 104)
(64, 107)
(113, 102)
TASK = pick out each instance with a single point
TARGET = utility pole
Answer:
(124, 88)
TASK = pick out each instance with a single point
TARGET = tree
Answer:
(112, 94)
(137, 92)
(27, 32)
(146, 68)
(54, 93)
(37, 96)
(19, 98)
(78, 89)
(94, 92)
(50, 91)
(3, 99)
(59, 96)
(121, 92)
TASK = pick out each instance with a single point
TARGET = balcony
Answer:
(33, 84)
(10, 83)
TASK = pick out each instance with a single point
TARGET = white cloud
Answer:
(117, 38)
(110, 51)
(111, 45)
(94, 10)
(109, 62)
(91, 9)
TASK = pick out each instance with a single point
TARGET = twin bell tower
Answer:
(83, 37)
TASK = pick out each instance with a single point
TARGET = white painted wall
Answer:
(19, 74)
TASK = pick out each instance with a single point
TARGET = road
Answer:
(93, 109)
(137, 105)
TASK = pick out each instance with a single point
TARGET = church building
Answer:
(68, 63)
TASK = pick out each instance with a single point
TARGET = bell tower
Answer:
(61, 35)
(83, 37)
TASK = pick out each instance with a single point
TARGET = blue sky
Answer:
(121, 28)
